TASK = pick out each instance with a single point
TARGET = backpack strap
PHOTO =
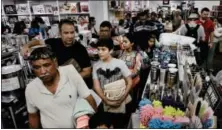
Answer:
(196, 28)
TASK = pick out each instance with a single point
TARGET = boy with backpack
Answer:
(191, 29)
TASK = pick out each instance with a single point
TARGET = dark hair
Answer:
(19, 27)
(205, 9)
(141, 14)
(65, 21)
(39, 20)
(128, 14)
(41, 53)
(106, 24)
(101, 118)
(153, 14)
(121, 22)
(130, 37)
(151, 36)
(106, 42)
(91, 19)
(34, 24)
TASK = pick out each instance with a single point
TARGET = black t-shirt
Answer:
(64, 54)
(75, 54)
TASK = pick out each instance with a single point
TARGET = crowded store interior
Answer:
(111, 64)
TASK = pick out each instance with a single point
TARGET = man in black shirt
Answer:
(68, 51)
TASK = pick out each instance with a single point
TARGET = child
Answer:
(101, 120)
(152, 43)
(109, 70)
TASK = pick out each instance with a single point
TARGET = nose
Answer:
(70, 35)
(43, 70)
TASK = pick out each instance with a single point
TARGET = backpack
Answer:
(192, 32)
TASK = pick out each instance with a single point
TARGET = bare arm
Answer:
(211, 37)
(27, 47)
(128, 87)
(98, 90)
(34, 120)
(86, 72)
(92, 102)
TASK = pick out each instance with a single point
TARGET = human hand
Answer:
(112, 103)
(25, 50)
(210, 45)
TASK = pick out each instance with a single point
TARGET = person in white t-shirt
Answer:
(52, 96)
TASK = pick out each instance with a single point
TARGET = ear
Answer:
(56, 62)
(111, 51)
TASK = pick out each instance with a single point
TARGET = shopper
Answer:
(54, 92)
(196, 31)
(20, 28)
(132, 58)
(168, 26)
(127, 21)
(109, 70)
(177, 19)
(159, 25)
(101, 120)
(120, 29)
(152, 43)
(5, 28)
(54, 30)
(35, 31)
(217, 40)
(42, 25)
(160, 16)
(91, 26)
(142, 29)
(209, 34)
(68, 50)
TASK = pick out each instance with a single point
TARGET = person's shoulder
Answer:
(118, 61)
(97, 64)
(66, 68)
(53, 40)
(33, 85)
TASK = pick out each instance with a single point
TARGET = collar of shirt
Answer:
(63, 80)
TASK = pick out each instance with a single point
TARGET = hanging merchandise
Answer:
(155, 116)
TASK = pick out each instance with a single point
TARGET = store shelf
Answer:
(16, 15)
(74, 13)
(44, 14)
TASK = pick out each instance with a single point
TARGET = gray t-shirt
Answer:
(109, 72)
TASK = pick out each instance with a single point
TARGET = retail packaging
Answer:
(38, 9)
(10, 9)
(22, 8)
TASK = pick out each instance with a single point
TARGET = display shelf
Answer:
(15, 14)
(44, 14)
(74, 13)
